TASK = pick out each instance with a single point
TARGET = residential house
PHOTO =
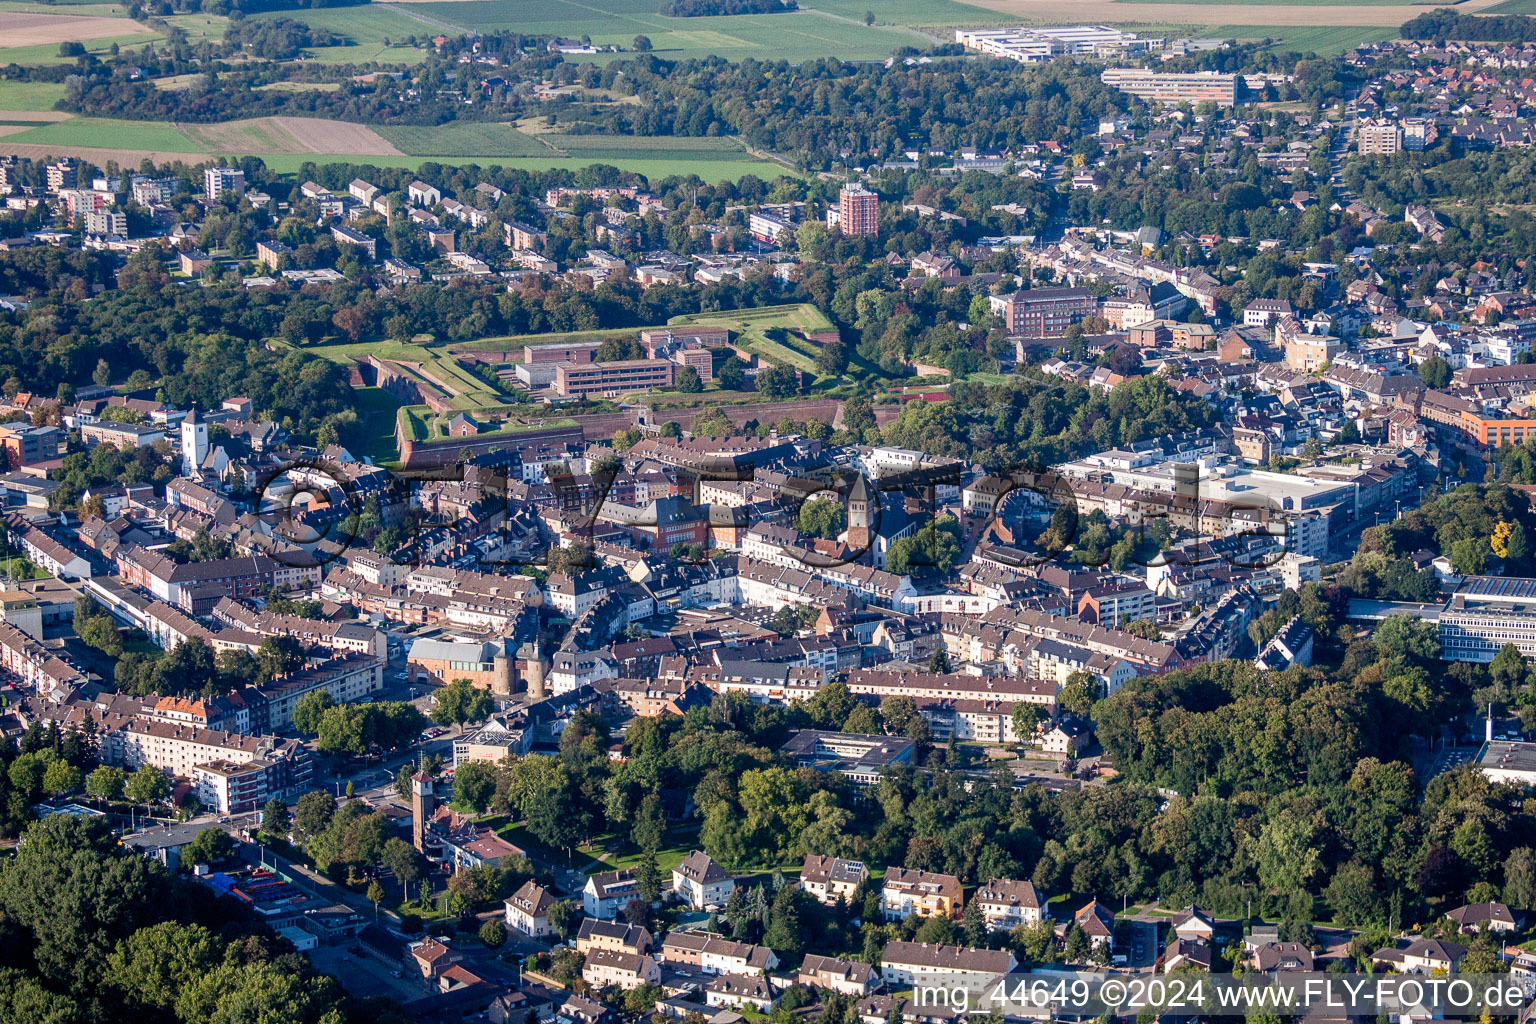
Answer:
(605, 967)
(527, 910)
(923, 893)
(831, 878)
(701, 882)
(607, 892)
(845, 977)
(1485, 917)
(1005, 904)
(907, 964)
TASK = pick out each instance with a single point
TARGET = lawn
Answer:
(108, 133)
(463, 139)
(345, 352)
(448, 374)
(769, 332)
(30, 95)
(794, 36)
(613, 852)
(373, 436)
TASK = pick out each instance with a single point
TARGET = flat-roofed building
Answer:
(1161, 87)
(1044, 312)
(1485, 614)
(857, 756)
(612, 378)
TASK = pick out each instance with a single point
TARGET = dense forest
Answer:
(1445, 23)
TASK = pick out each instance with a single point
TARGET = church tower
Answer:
(194, 444)
(858, 515)
(423, 803)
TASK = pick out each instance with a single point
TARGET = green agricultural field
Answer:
(794, 36)
(48, 53)
(1512, 7)
(463, 139)
(612, 148)
(30, 95)
(1325, 41)
(913, 13)
(365, 28)
(108, 133)
(200, 27)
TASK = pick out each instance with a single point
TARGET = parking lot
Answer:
(366, 975)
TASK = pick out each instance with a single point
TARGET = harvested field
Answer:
(35, 116)
(43, 29)
(1219, 13)
(290, 135)
(94, 154)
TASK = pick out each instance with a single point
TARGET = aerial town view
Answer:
(767, 512)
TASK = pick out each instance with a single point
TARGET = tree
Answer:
(563, 916)
(648, 877)
(822, 517)
(1470, 555)
(61, 777)
(869, 17)
(1520, 878)
(100, 632)
(637, 912)
(210, 846)
(493, 933)
(312, 814)
(832, 359)
(461, 701)
(275, 819)
(939, 660)
(778, 382)
(147, 785)
(375, 896)
(1435, 372)
(1078, 946)
(732, 374)
(1078, 694)
(473, 786)
(688, 381)
(106, 782)
(404, 862)
(933, 550)
(641, 44)
(310, 709)
(1026, 717)
(278, 656)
